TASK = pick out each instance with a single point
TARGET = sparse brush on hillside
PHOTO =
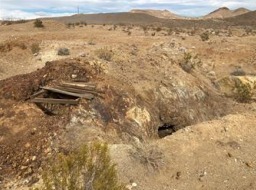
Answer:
(10, 22)
(8, 46)
(38, 23)
(90, 168)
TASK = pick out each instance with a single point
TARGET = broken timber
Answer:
(73, 91)
(83, 95)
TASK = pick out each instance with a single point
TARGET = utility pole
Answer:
(77, 9)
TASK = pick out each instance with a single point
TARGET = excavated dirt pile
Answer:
(29, 137)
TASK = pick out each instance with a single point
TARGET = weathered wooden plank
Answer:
(86, 96)
(55, 101)
(70, 89)
(78, 90)
(79, 85)
(80, 80)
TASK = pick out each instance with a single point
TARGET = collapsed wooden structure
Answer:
(66, 93)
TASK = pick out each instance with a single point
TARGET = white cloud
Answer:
(31, 8)
(18, 14)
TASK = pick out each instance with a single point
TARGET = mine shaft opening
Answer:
(166, 130)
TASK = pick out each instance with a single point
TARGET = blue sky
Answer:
(25, 9)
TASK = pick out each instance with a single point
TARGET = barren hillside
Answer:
(225, 12)
(158, 13)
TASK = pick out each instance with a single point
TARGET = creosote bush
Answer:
(204, 36)
(243, 92)
(35, 48)
(63, 51)
(87, 169)
(190, 62)
(104, 53)
(38, 23)
(148, 155)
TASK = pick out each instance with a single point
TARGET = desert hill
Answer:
(146, 19)
(157, 13)
(111, 18)
(225, 12)
(247, 19)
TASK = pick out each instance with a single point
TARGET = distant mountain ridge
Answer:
(158, 13)
(225, 12)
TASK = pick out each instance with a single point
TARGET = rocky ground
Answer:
(155, 82)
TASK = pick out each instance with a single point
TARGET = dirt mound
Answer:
(26, 132)
(30, 83)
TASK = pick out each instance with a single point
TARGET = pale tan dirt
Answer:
(215, 154)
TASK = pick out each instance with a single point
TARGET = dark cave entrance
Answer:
(166, 129)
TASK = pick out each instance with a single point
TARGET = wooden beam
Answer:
(86, 96)
(78, 90)
(55, 101)
(36, 94)
(70, 89)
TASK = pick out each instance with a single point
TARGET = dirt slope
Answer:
(212, 155)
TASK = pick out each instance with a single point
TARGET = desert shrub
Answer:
(8, 46)
(238, 72)
(243, 92)
(69, 25)
(190, 62)
(35, 48)
(83, 23)
(158, 29)
(88, 168)
(129, 33)
(248, 30)
(145, 29)
(38, 23)
(63, 51)
(104, 53)
(9, 22)
(149, 156)
(204, 36)
(169, 32)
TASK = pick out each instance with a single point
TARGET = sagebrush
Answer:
(243, 92)
(86, 169)
(38, 23)
(104, 53)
